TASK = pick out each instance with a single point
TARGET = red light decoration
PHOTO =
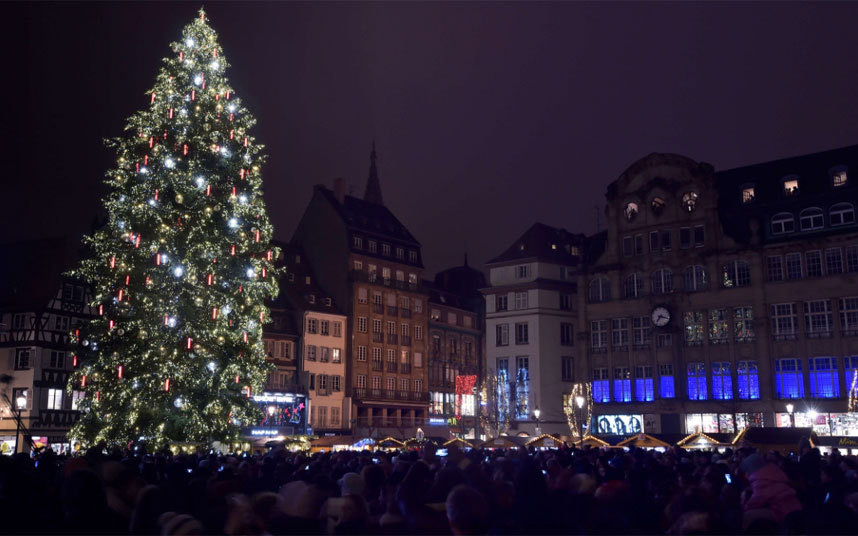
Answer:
(214, 313)
(190, 343)
(112, 262)
(119, 371)
(167, 384)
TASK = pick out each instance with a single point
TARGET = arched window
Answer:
(810, 219)
(630, 211)
(695, 278)
(689, 201)
(736, 274)
(600, 290)
(783, 222)
(662, 281)
(657, 205)
(841, 214)
(633, 286)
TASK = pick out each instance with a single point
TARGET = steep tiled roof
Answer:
(543, 242)
(369, 218)
(295, 293)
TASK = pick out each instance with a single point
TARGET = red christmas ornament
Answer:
(244, 336)
(171, 113)
(185, 149)
(119, 295)
(167, 384)
(209, 280)
(74, 360)
(233, 191)
(181, 55)
(231, 134)
(236, 378)
(153, 98)
(232, 250)
(193, 94)
(257, 235)
(101, 310)
(158, 259)
(165, 133)
(151, 141)
(137, 242)
(127, 279)
(156, 194)
(97, 396)
(268, 255)
(214, 313)
(245, 142)
(241, 174)
(119, 371)
(208, 189)
(228, 92)
(231, 117)
(166, 320)
(138, 167)
(190, 343)
(147, 280)
(110, 325)
(146, 160)
(112, 262)
(264, 270)
(83, 381)
(261, 317)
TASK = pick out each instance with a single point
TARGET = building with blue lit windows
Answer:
(714, 300)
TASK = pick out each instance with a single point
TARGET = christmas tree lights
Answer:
(182, 269)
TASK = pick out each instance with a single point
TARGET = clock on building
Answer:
(660, 316)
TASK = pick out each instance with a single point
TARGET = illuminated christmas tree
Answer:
(182, 269)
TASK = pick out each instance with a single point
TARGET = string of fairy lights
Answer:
(183, 268)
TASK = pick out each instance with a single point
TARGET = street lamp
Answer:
(790, 408)
(537, 412)
(579, 401)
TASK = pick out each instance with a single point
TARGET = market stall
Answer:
(783, 440)
(545, 441)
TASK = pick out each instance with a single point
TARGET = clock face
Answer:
(660, 316)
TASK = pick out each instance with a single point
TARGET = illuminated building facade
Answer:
(716, 299)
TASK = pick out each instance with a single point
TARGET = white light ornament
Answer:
(200, 182)
(233, 223)
(198, 80)
(152, 202)
(144, 170)
(178, 271)
(170, 163)
(189, 42)
(251, 273)
(179, 402)
(242, 199)
(215, 65)
(212, 366)
(231, 107)
(171, 321)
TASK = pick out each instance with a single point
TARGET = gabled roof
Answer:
(295, 293)
(545, 243)
(31, 272)
(368, 218)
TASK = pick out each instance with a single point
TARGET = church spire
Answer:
(373, 186)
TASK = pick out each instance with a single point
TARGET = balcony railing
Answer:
(392, 338)
(406, 340)
(404, 313)
(377, 337)
(377, 366)
(820, 334)
(361, 393)
(420, 396)
(360, 275)
(405, 368)
(403, 395)
(392, 310)
(391, 366)
(60, 418)
(783, 336)
(378, 308)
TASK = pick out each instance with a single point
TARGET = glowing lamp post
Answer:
(579, 401)
(790, 408)
(536, 412)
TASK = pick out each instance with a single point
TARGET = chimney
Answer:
(340, 190)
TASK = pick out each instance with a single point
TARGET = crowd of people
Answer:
(428, 491)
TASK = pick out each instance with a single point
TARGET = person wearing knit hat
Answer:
(769, 488)
(351, 484)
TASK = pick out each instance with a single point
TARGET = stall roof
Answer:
(505, 442)
(702, 438)
(458, 441)
(592, 441)
(775, 436)
(540, 441)
(643, 440)
(330, 441)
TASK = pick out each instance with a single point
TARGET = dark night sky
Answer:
(487, 116)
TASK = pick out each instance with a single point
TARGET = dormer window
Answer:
(748, 194)
(328, 302)
(412, 255)
(782, 223)
(307, 280)
(657, 205)
(311, 298)
(841, 214)
(839, 177)
(689, 201)
(358, 242)
(791, 185)
(811, 219)
(630, 211)
(373, 246)
(385, 249)
(400, 253)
